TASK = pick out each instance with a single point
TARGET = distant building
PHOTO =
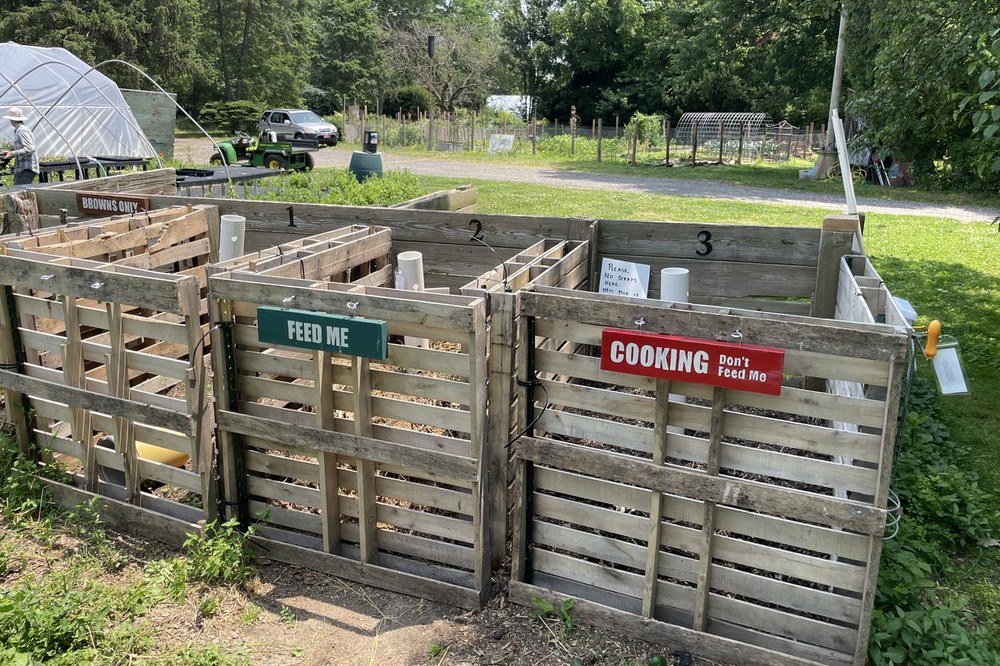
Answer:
(516, 104)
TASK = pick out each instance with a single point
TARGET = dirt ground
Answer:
(291, 616)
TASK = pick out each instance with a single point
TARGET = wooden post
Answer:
(836, 239)
(534, 131)
(329, 483)
(720, 141)
(702, 597)
(599, 137)
(667, 133)
(573, 121)
(694, 144)
(365, 469)
(501, 425)
(657, 501)
(16, 403)
(635, 142)
(472, 140)
(616, 126)
(593, 129)
(739, 150)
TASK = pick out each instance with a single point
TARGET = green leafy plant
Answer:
(339, 186)
(915, 621)
(543, 608)
(85, 523)
(250, 614)
(209, 606)
(288, 616)
(221, 553)
(436, 652)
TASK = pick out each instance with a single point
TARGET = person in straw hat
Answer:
(25, 157)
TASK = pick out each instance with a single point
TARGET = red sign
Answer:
(734, 366)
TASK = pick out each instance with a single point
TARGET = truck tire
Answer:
(310, 162)
(215, 160)
(275, 161)
(333, 141)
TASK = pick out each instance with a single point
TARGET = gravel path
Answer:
(199, 151)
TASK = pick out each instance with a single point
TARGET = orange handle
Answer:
(933, 334)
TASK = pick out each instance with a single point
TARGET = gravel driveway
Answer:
(198, 151)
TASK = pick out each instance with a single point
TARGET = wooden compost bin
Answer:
(740, 525)
(548, 262)
(109, 324)
(366, 468)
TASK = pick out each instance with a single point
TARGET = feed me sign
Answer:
(733, 366)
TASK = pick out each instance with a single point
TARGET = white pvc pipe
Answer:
(674, 284)
(410, 277)
(411, 266)
(845, 163)
(232, 234)
(674, 287)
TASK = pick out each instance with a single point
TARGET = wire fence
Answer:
(651, 139)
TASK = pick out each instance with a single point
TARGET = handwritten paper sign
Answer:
(624, 278)
(501, 143)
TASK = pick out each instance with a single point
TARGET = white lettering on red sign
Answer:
(741, 367)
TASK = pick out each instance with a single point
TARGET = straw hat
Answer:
(16, 114)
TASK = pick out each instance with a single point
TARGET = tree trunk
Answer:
(244, 50)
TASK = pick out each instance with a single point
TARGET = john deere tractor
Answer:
(266, 151)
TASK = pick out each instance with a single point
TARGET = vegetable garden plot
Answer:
(757, 554)
(93, 349)
(370, 454)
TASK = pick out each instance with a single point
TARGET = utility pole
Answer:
(838, 76)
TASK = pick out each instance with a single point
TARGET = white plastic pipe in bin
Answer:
(410, 277)
(232, 234)
(674, 287)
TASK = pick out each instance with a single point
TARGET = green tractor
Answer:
(267, 151)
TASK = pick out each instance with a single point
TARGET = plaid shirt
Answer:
(25, 157)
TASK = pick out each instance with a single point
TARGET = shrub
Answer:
(231, 116)
(410, 99)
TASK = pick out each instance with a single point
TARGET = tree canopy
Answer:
(922, 78)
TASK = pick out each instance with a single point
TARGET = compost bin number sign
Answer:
(327, 332)
(734, 366)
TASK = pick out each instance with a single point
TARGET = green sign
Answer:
(327, 332)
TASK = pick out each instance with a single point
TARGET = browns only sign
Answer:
(733, 366)
(102, 203)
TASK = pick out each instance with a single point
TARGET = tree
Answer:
(464, 63)
(981, 106)
(595, 42)
(262, 49)
(908, 63)
(766, 56)
(528, 42)
(349, 58)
